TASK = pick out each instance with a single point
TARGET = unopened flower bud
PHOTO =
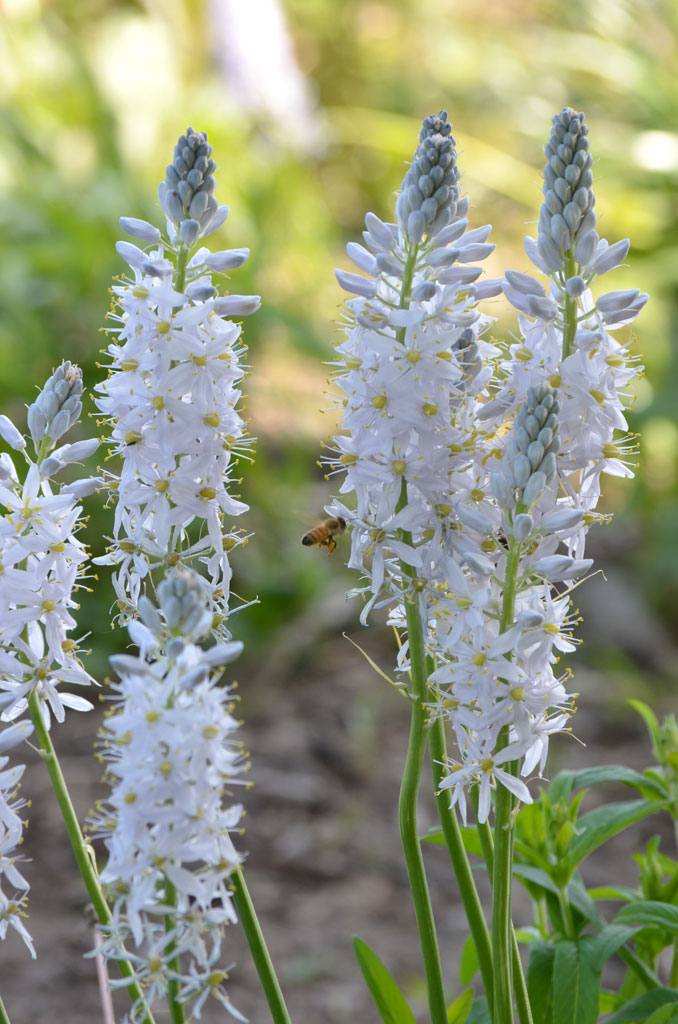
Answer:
(430, 190)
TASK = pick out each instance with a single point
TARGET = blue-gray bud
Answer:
(567, 218)
(58, 405)
(186, 194)
(529, 462)
(183, 600)
(430, 190)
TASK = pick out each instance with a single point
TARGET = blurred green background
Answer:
(313, 107)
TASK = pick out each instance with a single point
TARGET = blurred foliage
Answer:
(312, 109)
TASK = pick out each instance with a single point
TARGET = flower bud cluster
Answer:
(41, 563)
(430, 189)
(408, 373)
(567, 219)
(172, 395)
(529, 461)
(172, 756)
(566, 334)
(57, 408)
(187, 193)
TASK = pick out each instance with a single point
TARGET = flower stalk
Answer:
(258, 948)
(407, 814)
(81, 849)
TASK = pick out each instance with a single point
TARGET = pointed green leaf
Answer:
(664, 1015)
(650, 913)
(614, 892)
(540, 980)
(388, 998)
(468, 965)
(607, 942)
(596, 827)
(639, 1009)
(648, 716)
(568, 781)
(576, 984)
(458, 1012)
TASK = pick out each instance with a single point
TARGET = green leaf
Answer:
(540, 980)
(576, 983)
(537, 876)
(568, 781)
(664, 1015)
(388, 998)
(458, 1012)
(596, 827)
(652, 913)
(469, 837)
(614, 892)
(649, 717)
(639, 1009)
(479, 1013)
(579, 897)
(607, 942)
(468, 965)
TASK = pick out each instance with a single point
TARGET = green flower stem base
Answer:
(459, 859)
(258, 949)
(519, 985)
(502, 927)
(407, 813)
(176, 1009)
(81, 849)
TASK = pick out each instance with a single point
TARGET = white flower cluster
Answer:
(172, 756)
(171, 398)
(409, 370)
(12, 908)
(467, 490)
(589, 367)
(41, 562)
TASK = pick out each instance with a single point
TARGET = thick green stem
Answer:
(416, 749)
(407, 814)
(519, 984)
(80, 847)
(176, 1008)
(258, 949)
(4, 1019)
(570, 315)
(502, 928)
(459, 859)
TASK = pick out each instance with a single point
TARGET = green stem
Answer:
(4, 1018)
(407, 814)
(519, 984)
(176, 1008)
(80, 848)
(180, 272)
(258, 949)
(460, 863)
(503, 839)
(570, 314)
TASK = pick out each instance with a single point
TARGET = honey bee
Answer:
(323, 535)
